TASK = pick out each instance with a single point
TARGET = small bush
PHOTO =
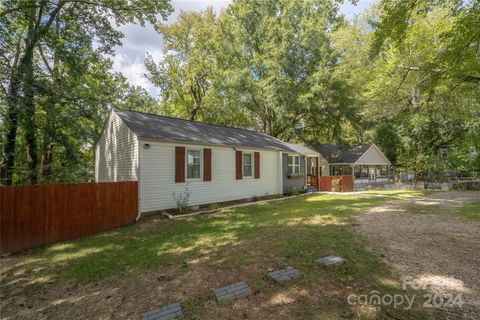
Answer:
(183, 201)
(292, 192)
(466, 185)
(460, 185)
(213, 206)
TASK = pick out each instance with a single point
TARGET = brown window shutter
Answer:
(238, 165)
(179, 164)
(256, 164)
(207, 164)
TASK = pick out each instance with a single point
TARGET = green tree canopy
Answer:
(53, 62)
(415, 79)
(262, 64)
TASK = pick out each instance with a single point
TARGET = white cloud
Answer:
(129, 58)
(134, 71)
(138, 41)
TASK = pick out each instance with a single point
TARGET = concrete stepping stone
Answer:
(236, 290)
(330, 260)
(285, 274)
(171, 311)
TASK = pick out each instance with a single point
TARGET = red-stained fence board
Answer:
(41, 214)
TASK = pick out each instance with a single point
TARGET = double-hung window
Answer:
(247, 165)
(194, 165)
(293, 164)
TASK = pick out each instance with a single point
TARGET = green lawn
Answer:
(470, 211)
(240, 244)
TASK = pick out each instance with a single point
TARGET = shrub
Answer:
(292, 192)
(460, 185)
(183, 201)
(466, 185)
(213, 206)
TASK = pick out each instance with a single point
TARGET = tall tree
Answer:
(265, 65)
(276, 63)
(413, 78)
(184, 74)
(25, 25)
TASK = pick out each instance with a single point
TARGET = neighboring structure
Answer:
(365, 162)
(168, 156)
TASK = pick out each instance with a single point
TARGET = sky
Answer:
(138, 41)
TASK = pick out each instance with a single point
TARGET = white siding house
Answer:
(157, 176)
(214, 163)
(168, 156)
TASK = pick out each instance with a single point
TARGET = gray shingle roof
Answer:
(152, 126)
(299, 148)
(334, 153)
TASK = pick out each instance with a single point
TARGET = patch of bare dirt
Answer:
(420, 237)
(190, 282)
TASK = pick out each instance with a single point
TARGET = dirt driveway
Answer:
(422, 238)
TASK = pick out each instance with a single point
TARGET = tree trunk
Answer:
(29, 120)
(22, 78)
(9, 149)
(197, 102)
(47, 157)
(28, 103)
(14, 100)
(49, 130)
(8, 154)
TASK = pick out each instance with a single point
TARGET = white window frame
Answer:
(293, 165)
(186, 164)
(251, 164)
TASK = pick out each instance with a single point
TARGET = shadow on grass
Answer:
(289, 232)
(128, 248)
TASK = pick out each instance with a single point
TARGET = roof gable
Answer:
(373, 156)
(152, 126)
(339, 154)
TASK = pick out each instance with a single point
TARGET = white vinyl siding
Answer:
(373, 156)
(157, 177)
(116, 153)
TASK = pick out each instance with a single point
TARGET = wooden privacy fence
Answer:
(346, 183)
(41, 214)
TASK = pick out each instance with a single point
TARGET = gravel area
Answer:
(422, 238)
